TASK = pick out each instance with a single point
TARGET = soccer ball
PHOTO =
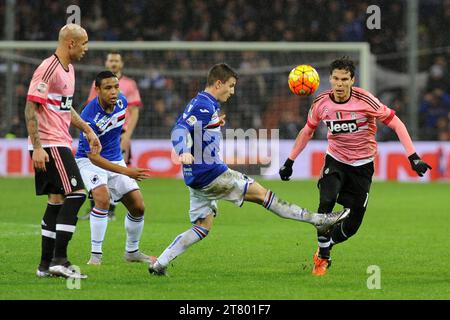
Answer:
(303, 80)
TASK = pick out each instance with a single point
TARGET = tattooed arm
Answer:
(40, 156)
(91, 137)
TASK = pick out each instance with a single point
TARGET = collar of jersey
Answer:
(103, 110)
(68, 68)
(209, 96)
(342, 102)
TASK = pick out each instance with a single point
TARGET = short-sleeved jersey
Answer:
(201, 119)
(53, 87)
(130, 89)
(107, 126)
(351, 124)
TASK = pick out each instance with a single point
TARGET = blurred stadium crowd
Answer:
(238, 20)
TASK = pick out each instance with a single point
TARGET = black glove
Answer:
(418, 165)
(286, 170)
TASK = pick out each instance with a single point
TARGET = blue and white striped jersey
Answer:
(107, 126)
(197, 131)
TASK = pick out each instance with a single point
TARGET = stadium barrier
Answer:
(390, 164)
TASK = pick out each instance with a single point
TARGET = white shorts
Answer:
(230, 185)
(93, 177)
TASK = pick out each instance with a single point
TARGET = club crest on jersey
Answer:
(342, 126)
(120, 104)
(73, 181)
(42, 87)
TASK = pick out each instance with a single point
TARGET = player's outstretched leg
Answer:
(181, 243)
(323, 222)
(134, 225)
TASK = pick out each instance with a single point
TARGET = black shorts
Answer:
(62, 175)
(354, 181)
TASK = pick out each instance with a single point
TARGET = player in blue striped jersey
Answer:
(202, 113)
(106, 174)
(196, 138)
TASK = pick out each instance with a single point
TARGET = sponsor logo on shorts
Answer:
(74, 182)
(95, 179)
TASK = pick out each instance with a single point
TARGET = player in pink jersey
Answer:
(129, 88)
(350, 113)
(48, 114)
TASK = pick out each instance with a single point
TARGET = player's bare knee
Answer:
(256, 193)
(101, 197)
(55, 199)
(101, 200)
(102, 203)
(138, 210)
(205, 223)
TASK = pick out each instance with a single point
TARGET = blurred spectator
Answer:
(439, 75)
(435, 106)
(232, 20)
(353, 27)
(290, 124)
(443, 129)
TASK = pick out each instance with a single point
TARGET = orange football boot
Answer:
(320, 265)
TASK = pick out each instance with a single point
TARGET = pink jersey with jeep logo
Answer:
(53, 87)
(351, 124)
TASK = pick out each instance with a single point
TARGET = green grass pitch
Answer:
(249, 254)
